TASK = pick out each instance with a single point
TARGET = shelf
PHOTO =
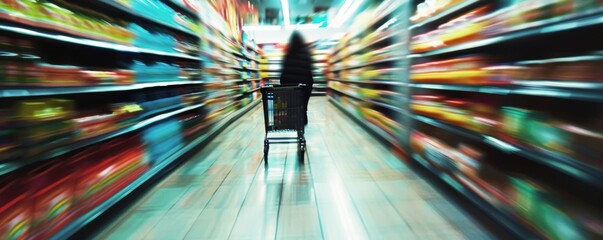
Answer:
(131, 12)
(182, 8)
(10, 166)
(448, 14)
(545, 27)
(384, 105)
(377, 82)
(382, 14)
(390, 59)
(372, 128)
(230, 81)
(253, 79)
(500, 215)
(249, 92)
(248, 57)
(563, 164)
(94, 43)
(272, 62)
(271, 70)
(221, 95)
(373, 43)
(164, 166)
(588, 91)
(13, 92)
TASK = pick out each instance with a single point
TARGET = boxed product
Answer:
(15, 209)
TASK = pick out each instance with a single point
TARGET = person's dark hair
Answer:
(297, 64)
(296, 44)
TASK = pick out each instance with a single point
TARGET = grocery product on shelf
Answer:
(430, 8)
(492, 97)
(321, 50)
(484, 70)
(15, 214)
(162, 13)
(463, 29)
(82, 128)
(47, 15)
(526, 199)
(156, 72)
(539, 130)
(465, 70)
(489, 22)
(363, 72)
(271, 62)
(162, 140)
(231, 64)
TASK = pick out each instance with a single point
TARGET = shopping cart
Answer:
(284, 112)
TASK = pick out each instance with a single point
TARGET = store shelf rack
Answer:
(538, 29)
(377, 82)
(560, 163)
(376, 131)
(448, 13)
(566, 170)
(502, 216)
(92, 43)
(149, 176)
(10, 166)
(377, 54)
(15, 92)
(376, 103)
(125, 11)
(385, 60)
(183, 8)
(587, 91)
(337, 59)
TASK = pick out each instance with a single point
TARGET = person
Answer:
(297, 67)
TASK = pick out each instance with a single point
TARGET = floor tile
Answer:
(349, 187)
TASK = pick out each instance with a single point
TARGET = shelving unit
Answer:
(359, 69)
(375, 130)
(501, 108)
(271, 63)
(472, 113)
(152, 173)
(17, 92)
(45, 35)
(321, 50)
(146, 101)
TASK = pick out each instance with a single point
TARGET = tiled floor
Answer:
(351, 187)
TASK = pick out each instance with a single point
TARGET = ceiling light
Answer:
(285, 8)
(262, 28)
(304, 26)
(346, 11)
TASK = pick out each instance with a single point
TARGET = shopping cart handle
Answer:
(301, 85)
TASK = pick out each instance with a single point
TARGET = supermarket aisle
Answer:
(350, 188)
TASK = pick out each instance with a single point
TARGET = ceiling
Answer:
(296, 7)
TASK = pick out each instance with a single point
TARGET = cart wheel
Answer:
(266, 148)
(301, 149)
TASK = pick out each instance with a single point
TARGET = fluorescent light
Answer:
(304, 26)
(346, 11)
(285, 8)
(262, 28)
(387, 24)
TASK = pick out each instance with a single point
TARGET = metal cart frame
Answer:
(284, 111)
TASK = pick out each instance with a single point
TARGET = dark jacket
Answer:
(297, 64)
